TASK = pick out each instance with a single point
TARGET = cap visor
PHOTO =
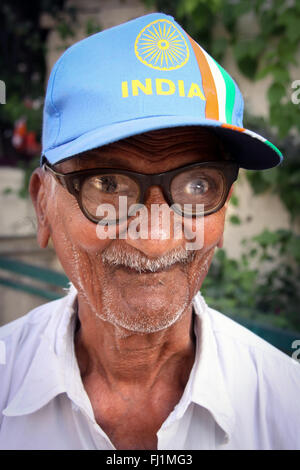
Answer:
(251, 150)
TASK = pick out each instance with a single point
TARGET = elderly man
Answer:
(142, 143)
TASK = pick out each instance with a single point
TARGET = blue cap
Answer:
(144, 75)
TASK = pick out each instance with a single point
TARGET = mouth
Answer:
(132, 278)
(144, 271)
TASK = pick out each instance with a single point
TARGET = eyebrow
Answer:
(82, 162)
(87, 162)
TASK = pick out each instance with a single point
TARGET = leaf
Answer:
(242, 7)
(234, 219)
(219, 47)
(248, 66)
(293, 247)
(234, 200)
(253, 253)
(291, 22)
(257, 181)
(92, 27)
(280, 74)
(241, 50)
(256, 46)
(276, 93)
(266, 238)
(7, 191)
(229, 17)
(263, 72)
(188, 7)
(271, 176)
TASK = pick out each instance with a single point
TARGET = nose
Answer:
(154, 195)
(157, 226)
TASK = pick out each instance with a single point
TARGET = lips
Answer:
(162, 277)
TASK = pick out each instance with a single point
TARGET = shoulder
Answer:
(19, 341)
(230, 333)
(263, 382)
(26, 329)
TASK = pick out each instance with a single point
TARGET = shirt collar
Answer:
(208, 387)
(205, 387)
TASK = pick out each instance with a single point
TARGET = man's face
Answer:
(150, 300)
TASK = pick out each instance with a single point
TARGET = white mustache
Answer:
(134, 260)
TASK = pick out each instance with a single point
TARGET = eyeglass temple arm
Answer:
(58, 176)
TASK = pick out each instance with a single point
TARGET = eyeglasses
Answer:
(185, 188)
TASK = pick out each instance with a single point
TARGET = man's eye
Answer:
(107, 184)
(197, 187)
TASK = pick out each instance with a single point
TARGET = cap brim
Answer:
(251, 150)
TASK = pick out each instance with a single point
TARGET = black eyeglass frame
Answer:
(73, 182)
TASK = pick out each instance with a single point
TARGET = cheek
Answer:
(69, 225)
(210, 228)
(213, 228)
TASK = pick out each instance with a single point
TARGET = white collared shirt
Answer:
(242, 392)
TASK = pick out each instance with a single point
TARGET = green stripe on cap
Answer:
(230, 93)
(274, 148)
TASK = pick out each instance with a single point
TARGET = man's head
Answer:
(142, 98)
(140, 284)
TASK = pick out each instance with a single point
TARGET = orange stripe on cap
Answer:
(234, 128)
(208, 83)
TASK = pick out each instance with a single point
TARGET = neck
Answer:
(119, 356)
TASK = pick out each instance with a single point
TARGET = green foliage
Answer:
(235, 220)
(283, 180)
(270, 295)
(234, 201)
(92, 27)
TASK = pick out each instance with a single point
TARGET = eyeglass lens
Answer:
(106, 189)
(204, 186)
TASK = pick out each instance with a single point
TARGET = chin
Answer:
(144, 315)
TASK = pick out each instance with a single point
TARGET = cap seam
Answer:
(57, 113)
(58, 66)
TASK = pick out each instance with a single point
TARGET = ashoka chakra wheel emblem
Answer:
(160, 45)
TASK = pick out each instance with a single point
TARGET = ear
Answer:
(220, 243)
(37, 190)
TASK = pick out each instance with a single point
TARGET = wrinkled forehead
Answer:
(153, 147)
